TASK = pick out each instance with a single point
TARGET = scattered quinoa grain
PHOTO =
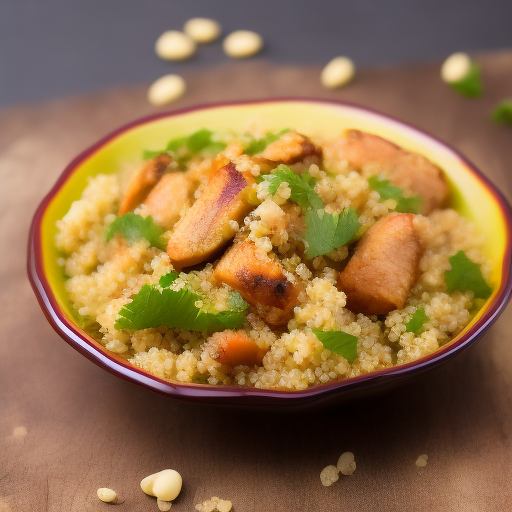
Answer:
(19, 433)
(329, 475)
(214, 504)
(346, 463)
(422, 460)
(164, 506)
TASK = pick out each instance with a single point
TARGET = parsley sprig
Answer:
(502, 114)
(417, 320)
(255, 146)
(466, 275)
(339, 342)
(301, 186)
(388, 191)
(182, 149)
(152, 307)
(134, 227)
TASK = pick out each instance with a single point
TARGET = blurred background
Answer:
(55, 48)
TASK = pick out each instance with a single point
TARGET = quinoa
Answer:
(105, 275)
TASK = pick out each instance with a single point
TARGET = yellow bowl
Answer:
(473, 195)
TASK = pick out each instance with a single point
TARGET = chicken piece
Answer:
(142, 181)
(409, 171)
(290, 148)
(259, 279)
(378, 277)
(234, 348)
(173, 193)
(205, 227)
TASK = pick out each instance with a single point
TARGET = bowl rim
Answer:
(93, 350)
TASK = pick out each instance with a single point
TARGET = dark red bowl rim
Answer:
(89, 347)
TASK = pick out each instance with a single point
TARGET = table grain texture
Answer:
(88, 429)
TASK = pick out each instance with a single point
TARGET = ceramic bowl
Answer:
(474, 196)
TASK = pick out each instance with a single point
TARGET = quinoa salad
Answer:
(273, 260)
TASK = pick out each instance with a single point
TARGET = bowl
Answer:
(473, 195)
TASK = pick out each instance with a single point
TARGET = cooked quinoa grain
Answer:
(329, 475)
(254, 256)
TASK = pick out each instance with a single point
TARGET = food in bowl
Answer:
(278, 260)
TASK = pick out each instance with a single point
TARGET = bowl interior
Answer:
(471, 194)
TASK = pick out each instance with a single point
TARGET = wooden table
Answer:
(87, 429)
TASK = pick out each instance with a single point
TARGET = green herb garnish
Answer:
(168, 279)
(182, 149)
(471, 85)
(133, 228)
(503, 112)
(175, 309)
(388, 191)
(301, 186)
(236, 302)
(417, 320)
(339, 342)
(465, 275)
(326, 232)
(256, 146)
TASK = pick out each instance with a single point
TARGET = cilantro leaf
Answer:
(168, 279)
(339, 342)
(258, 145)
(133, 228)
(175, 309)
(301, 185)
(326, 232)
(503, 112)
(182, 149)
(236, 302)
(388, 191)
(465, 275)
(417, 320)
(471, 85)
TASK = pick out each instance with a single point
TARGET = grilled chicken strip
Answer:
(378, 277)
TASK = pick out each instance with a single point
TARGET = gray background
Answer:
(51, 48)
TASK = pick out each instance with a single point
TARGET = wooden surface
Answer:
(87, 429)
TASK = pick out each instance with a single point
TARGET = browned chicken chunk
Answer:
(205, 227)
(290, 148)
(259, 280)
(409, 171)
(169, 197)
(142, 181)
(234, 348)
(378, 277)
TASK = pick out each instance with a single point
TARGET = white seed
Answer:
(346, 463)
(422, 460)
(242, 43)
(164, 506)
(106, 495)
(202, 30)
(329, 475)
(165, 485)
(455, 67)
(175, 45)
(166, 89)
(338, 72)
